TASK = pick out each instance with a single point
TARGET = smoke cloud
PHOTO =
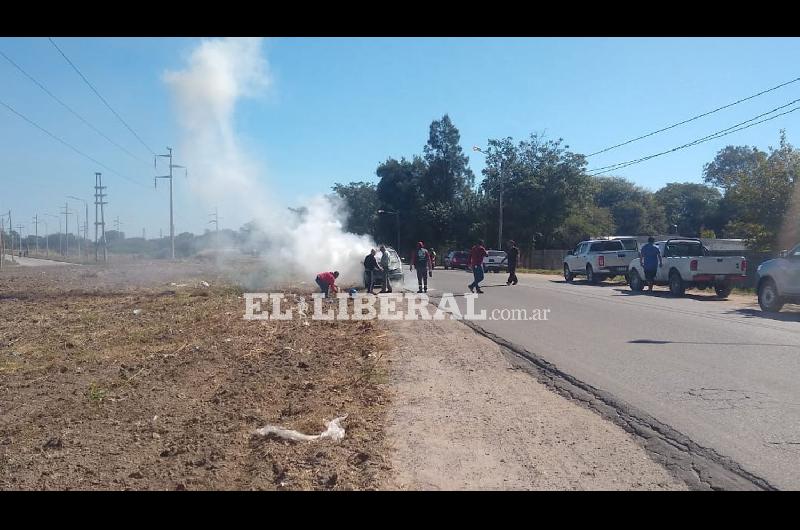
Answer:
(218, 75)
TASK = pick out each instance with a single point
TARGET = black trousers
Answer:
(422, 276)
(370, 280)
(512, 274)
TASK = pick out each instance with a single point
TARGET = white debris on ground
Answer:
(334, 431)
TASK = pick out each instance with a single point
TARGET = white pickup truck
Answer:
(686, 264)
(779, 281)
(598, 259)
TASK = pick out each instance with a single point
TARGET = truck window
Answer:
(606, 246)
(629, 244)
(684, 249)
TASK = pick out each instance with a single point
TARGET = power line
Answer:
(694, 118)
(95, 129)
(714, 136)
(99, 96)
(53, 136)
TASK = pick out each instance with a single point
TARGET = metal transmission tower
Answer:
(155, 181)
(215, 220)
(98, 202)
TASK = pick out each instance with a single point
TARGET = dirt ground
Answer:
(93, 396)
(464, 418)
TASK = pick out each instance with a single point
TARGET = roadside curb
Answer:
(701, 468)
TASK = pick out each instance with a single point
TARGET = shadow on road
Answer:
(666, 294)
(584, 282)
(757, 313)
(659, 342)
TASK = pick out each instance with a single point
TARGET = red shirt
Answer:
(476, 255)
(327, 277)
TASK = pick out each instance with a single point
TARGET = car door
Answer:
(572, 258)
(793, 271)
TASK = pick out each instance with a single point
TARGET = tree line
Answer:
(551, 201)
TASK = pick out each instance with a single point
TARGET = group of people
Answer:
(423, 260)
(371, 265)
(476, 255)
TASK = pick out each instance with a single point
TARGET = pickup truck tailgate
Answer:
(719, 265)
(615, 260)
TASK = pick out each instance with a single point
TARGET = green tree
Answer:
(362, 204)
(691, 206)
(448, 176)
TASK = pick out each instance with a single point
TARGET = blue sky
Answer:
(338, 107)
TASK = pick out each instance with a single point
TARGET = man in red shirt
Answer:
(327, 281)
(476, 255)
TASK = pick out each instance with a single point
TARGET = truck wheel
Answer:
(637, 285)
(676, 286)
(568, 274)
(768, 297)
(590, 277)
(723, 290)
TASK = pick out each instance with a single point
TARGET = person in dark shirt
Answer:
(650, 259)
(513, 255)
(370, 265)
(421, 259)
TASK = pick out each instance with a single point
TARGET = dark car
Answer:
(456, 259)
(395, 269)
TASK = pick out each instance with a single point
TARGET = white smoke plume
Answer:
(219, 73)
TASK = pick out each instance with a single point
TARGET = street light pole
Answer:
(500, 199)
(398, 227)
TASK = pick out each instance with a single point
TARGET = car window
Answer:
(606, 246)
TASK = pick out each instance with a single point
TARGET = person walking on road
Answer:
(422, 260)
(513, 255)
(370, 266)
(387, 284)
(476, 255)
(327, 282)
(650, 259)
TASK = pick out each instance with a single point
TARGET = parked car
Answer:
(687, 264)
(779, 281)
(456, 259)
(395, 269)
(496, 261)
(598, 259)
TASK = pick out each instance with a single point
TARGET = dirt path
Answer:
(464, 418)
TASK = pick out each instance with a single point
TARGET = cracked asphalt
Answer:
(710, 385)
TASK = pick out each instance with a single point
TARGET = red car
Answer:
(457, 259)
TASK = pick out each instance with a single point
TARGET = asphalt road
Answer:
(719, 371)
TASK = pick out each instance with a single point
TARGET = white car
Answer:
(597, 259)
(779, 281)
(686, 264)
(496, 261)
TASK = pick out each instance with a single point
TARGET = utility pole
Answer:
(46, 239)
(19, 237)
(66, 213)
(85, 224)
(155, 180)
(2, 242)
(98, 202)
(36, 224)
(11, 235)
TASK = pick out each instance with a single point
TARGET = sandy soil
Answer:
(464, 418)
